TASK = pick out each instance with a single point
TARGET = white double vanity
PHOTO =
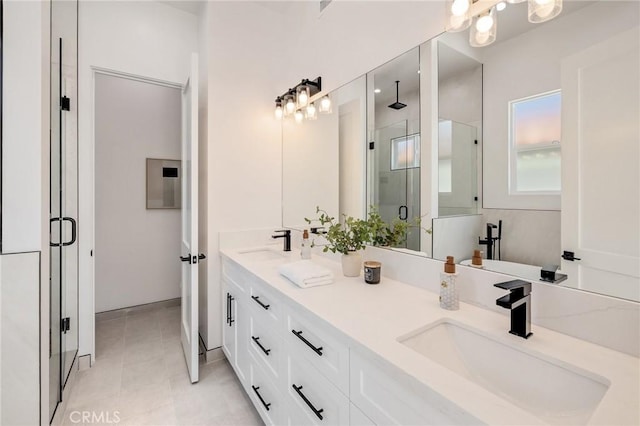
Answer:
(353, 353)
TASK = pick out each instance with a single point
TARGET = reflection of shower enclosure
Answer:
(457, 169)
(396, 177)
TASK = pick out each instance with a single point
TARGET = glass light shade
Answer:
(311, 112)
(458, 15)
(325, 104)
(302, 95)
(501, 6)
(544, 10)
(484, 29)
(298, 116)
(290, 105)
(279, 112)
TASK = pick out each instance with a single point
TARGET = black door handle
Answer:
(51, 221)
(570, 256)
(186, 258)
(74, 231)
(201, 256)
(402, 209)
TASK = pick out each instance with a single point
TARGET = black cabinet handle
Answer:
(257, 299)
(255, 339)
(230, 311)
(308, 343)
(255, 389)
(317, 412)
(228, 308)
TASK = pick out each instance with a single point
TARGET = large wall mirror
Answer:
(527, 149)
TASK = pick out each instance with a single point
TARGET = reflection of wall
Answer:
(351, 152)
(528, 236)
(530, 64)
(310, 168)
(456, 236)
(136, 249)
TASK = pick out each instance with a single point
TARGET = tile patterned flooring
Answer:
(140, 373)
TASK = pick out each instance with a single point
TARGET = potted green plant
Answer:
(348, 237)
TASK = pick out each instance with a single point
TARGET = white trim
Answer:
(135, 77)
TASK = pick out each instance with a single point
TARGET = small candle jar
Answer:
(372, 272)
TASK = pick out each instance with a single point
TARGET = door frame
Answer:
(86, 302)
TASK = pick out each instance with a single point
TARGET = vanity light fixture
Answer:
(279, 112)
(461, 14)
(298, 97)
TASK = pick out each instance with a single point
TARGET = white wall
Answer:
(136, 249)
(25, 100)
(143, 38)
(527, 65)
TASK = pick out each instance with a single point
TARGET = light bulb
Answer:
(459, 7)
(544, 10)
(278, 112)
(484, 23)
(303, 96)
(298, 116)
(325, 104)
(501, 6)
(290, 105)
(377, 91)
(311, 112)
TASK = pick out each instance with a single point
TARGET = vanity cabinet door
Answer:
(235, 331)
(266, 347)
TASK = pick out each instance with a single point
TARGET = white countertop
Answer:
(372, 317)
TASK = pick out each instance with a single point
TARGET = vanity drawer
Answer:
(394, 399)
(266, 348)
(267, 307)
(312, 399)
(266, 397)
(318, 346)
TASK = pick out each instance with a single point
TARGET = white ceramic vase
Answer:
(352, 264)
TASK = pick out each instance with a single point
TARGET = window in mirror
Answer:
(535, 143)
(405, 152)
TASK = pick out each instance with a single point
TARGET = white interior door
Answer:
(600, 166)
(189, 245)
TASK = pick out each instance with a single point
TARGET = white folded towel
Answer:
(305, 273)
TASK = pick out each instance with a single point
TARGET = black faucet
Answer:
(519, 302)
(491, 241)
(286, 234)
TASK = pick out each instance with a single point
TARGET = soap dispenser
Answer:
(476, 260)
(305, 246)
(448, 290)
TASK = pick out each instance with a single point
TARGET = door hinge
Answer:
(65, 324)
(371, 145)
(65, 103)
(475, 142)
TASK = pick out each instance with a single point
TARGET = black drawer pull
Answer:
(228, 308)
(317, 412)
(255, 389)
(231, 320)
(255, 339)
(308, 343)
(257, 299)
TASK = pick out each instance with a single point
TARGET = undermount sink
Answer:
(549, 389)
(261, 254)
